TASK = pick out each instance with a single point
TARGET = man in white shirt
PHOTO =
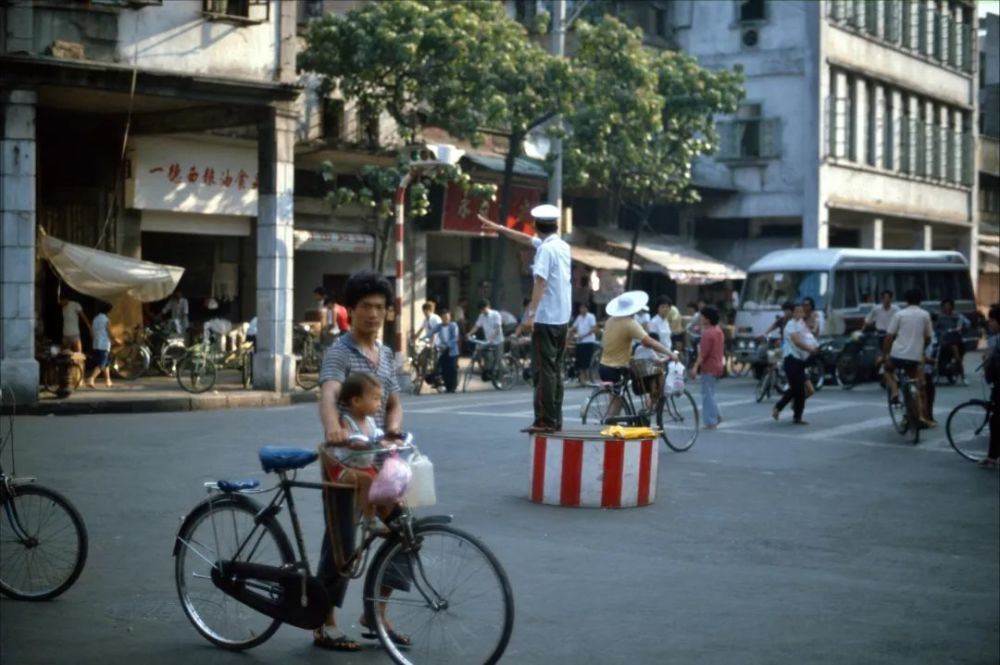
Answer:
(72, 312)
(661, 324)
(881, 316)
(177, 311)
(908, 334)
(642, 318)
(491, 323)
(583, 329)
(548, 312)
(431, 322)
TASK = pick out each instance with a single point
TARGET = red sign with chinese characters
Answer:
(460, 211)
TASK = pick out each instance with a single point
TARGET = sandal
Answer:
(398, 639)
(987, 463)
(340, 643)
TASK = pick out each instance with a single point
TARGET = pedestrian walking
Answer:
(583, 329)
(72, 314)
(991, 369)
(796, 349)
(448, 336)
(548, 312)
(178, 311)
(368, 296)
(101, 341)
(710, 364)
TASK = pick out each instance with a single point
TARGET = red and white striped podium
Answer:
(584, 469)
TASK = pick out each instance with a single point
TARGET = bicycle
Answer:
(131, 359)
(43, 540)
(309, 357)
(773, 379)
(49, 358)
(423, 359)
(905, 412)
(677, 412)
(230, 547)
(494, 366)
(198, 369)
(968, 428)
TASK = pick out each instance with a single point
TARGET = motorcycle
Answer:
(860, 360)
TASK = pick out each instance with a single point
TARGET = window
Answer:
(525, 10)
(752, 10)
(888, 134)
(871, 283)
(907, 137)
(845, 293)
(749, 136)
(256, 11)
(312, 9)
(942, 285)
(910, 279)
(893, 21)
(874, 125)
(768, 290)
(333, 119)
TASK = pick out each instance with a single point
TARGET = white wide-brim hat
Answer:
(627, 303)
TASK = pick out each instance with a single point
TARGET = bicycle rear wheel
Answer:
(677, 417)
(504, 373)
(457, 606)
(43, 543)
(307, 370)
(130, 362)
(847, 369)
(196, 373)
(214, 532)
(597, 407)
(170, 355)
(968, 429)
(897, 411)
(763, 387)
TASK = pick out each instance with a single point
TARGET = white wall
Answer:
(897, 196)
(176, 36)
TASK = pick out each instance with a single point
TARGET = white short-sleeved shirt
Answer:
(491, 323)
(881, 317)
(642, 318)
(71, 319)
(431, 324)
(910, 326)
(552, 263)
(662, 329)
(102, 340)
(788, 347)
(584, 324)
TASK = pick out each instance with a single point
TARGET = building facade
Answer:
(158, 130)
(988, 161)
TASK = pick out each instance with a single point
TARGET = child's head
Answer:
(445, 315)
(362, 394)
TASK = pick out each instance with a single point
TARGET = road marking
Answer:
(929, 446)
(757, 420)
(849, 428)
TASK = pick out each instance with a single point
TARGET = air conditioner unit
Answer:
(749, 37)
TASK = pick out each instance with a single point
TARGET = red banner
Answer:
(460, 211)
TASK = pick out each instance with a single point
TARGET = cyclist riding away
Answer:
(909, 333)
(949, 328)
(491, 324)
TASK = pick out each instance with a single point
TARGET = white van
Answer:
(846, 284)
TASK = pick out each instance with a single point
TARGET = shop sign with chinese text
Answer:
(460, 211)
(184, 175)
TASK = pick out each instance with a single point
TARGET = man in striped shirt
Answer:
(367, 295)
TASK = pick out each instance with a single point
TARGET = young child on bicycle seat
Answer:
(360, 398)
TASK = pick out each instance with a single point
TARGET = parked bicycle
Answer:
(675, 413)
(491, 364)
(198, 369)
(43, 540)
(51, 361)
(423, 362)
(905, 409)
(130, 360)
(239, 579)
(308, 349)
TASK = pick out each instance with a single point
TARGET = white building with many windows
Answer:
(857, 129)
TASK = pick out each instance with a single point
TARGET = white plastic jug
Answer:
(421, 491)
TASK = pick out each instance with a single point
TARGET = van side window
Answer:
(845, 290)
(871, 284)
(910, 279)
(941, 285)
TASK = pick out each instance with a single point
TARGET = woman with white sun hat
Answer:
(620, 331)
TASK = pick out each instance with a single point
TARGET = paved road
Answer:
(768, 543)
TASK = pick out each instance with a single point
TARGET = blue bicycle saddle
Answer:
(275, 458)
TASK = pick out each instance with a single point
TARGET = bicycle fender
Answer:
(214, 501)
(434, 519)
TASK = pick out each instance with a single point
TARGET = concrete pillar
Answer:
(871, 235)
(860, 111)
(958, 149)
(930, 144)
(18, 35)
(879, 131)
(944, 139)
(914, 137)
(928, 238)
(893, 159)
(18, 367)
(274, 364)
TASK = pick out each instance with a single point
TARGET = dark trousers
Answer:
(448, 368)
(994, 451)
(548, 344)
(795, 370)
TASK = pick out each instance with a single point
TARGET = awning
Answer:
(109, 276)
(522, 166)
(333, 241)
(594, 258)
(684, 265)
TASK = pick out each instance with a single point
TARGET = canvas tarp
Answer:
(108, 276)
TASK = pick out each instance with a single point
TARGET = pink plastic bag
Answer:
(391, 482)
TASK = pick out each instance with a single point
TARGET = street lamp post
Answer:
(431, 157)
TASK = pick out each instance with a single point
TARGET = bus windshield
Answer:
(768, 290)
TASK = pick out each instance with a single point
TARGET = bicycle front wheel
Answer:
(43, 543)
(598, 406)
(450, 596)
(130, 362)
(677, 417)
(897, 411)
(968, 429)
(171, 354)
(196, 373)
(214, 532)
(763, 387)
(504, 373)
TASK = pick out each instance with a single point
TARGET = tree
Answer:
(643, 117)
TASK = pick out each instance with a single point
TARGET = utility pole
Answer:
(558, 46)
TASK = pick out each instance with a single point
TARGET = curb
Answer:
(163, 404)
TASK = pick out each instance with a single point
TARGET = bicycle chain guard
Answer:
(246, 581)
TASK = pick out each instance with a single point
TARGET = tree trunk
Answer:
(505, 195)
(383, 241)
(643, 219)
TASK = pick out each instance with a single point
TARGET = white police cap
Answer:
(546, 211)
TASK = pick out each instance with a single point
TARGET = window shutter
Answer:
(728, 145)
(770, 138)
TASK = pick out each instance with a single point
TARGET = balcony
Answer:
(988, 155)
